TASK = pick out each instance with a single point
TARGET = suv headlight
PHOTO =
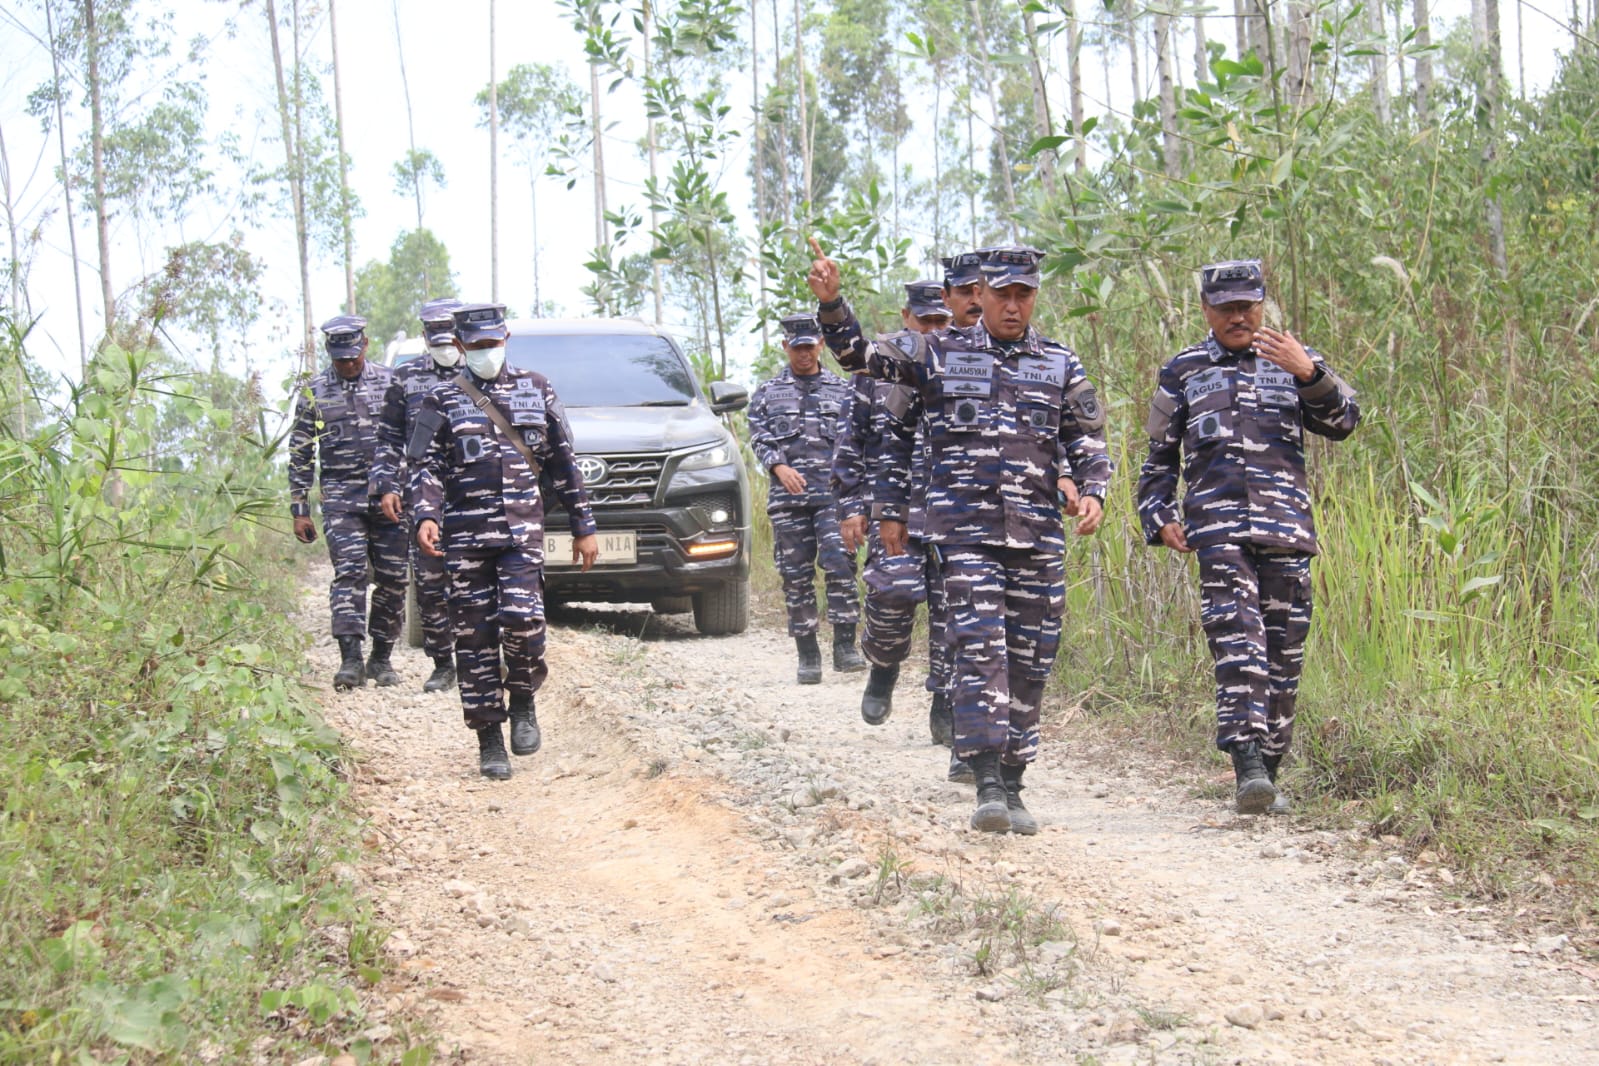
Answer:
(705, 459)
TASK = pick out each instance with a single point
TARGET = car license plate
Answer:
(617, 548)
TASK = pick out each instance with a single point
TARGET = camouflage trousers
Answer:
(496, 607)
(802, 537)
(363, 544)
(886, 637)
(432, 602)
(1254, 605)
(1005, 608)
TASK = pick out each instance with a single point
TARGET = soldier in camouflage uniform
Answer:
(335, 433)
(413, 379)
(794, 419)
(1000, 401)
(1231, 412)
(894, 584)
(471, 478)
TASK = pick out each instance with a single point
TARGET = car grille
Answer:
(710, 503)
(630, 481)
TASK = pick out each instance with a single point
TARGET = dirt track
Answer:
(708, 864)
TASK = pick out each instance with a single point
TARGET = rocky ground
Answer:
(707, 864)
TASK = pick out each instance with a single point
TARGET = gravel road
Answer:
(707, 864)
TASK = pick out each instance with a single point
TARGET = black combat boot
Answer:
(525, 735)
(491, 758)
(442, 677)
(941, 720)
(810, 659)
(878, 701)
(1021, 819)
(846, 656)
(1255, 790)
(1280, 805)
(351, 672)
(993, 813)
(960, 771)
(378, 667)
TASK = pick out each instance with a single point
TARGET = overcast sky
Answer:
(447, 63)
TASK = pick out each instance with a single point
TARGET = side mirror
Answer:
(727, 397)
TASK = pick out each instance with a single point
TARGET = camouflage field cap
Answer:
(801, 329)
(1011, 264)
(926, 298)
(438, 320)
(476, 322)
(1232, 281)
(963, 268)
(345, 336)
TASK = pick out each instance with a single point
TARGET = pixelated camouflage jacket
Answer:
(862, 435)
(336, 428)
(794, 421)
(469, 478)
(1237, 421)
(996, 419)
(412, 380)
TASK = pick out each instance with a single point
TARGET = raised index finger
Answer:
(816, 246)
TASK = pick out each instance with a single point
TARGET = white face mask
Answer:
(486, 362)
(445, 354)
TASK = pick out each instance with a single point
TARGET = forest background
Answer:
(1425, 199)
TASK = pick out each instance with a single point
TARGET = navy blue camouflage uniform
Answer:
(471, 480)
(412, 380)
(334, 440)
(894, 585)
(1234, 424)
(997, 417)
(794, 420)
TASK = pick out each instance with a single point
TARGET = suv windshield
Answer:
(605, 370)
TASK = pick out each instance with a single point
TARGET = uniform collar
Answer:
(1218, 354)
(1031, 343)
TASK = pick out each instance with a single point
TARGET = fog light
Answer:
(711, 547)
(720, 516)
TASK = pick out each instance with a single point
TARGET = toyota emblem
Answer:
(592, 468)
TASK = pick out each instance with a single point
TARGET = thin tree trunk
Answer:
(649, 127)
(938, 163)
(1171, 148)
(1301, 84)
(804, 120)
(494, 167)
(1404, 78)
(1130, 32)
(296, 193)
(998, 131)
(299, 176)
(1074, 50)
(102, 220)
(410, 125)
(19, 422)
(1041, 116)
(760, 171)
(780, 137)
(1492, 92)
(601, 235)
(1379, 67)
(533, 196)
(1521, 55)
(1201, 51)
(344, 175)
(66, 192)
(1423, 38)
(1241, 26)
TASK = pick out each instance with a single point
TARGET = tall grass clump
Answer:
(1450, 684)
(172, 817)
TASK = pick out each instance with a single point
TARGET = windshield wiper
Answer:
(663, 403)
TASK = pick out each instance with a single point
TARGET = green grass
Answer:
(175, 831)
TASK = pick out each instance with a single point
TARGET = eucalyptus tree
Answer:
(536, 102)
(414, 174)
(389, 292)
(346, 221)
(606, 50)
